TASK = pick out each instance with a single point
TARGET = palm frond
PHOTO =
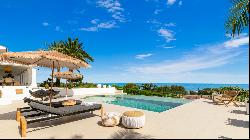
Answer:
(71, 47)
(238, 19)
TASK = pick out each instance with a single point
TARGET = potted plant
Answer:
(247, 105)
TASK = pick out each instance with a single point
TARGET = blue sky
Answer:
(134, 41)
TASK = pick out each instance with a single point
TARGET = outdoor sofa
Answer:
(42, 112)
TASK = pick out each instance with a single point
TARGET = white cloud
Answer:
(169, 47)
(236, 37)
(167, 34)
(45, 24)
(114, 7)
(143, 56)
(171, 2)
(180, 3)
(157, 11)
(198, 59)
(170, 24)
(107, 25)
(152, 0)
(90, 29)
(185, 65)
(97, 26)
(94, 21)
(188, 77)
(154, 21)
(237, 42)
(2, 47)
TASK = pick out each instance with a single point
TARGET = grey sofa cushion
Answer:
(64, 110)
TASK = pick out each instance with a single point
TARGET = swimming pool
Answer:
(155, 104)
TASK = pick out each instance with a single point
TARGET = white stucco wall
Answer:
(9, 92)
(87, 91)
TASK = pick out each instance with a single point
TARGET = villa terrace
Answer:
(197, 119)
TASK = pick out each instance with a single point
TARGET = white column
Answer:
(33, 78)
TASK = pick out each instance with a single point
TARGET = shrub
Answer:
(243, 96)
(191, 92)
(177, 89)
(132, 91)
(85, 85)
(117, 87)
(206, 91)
(162, 89)
(149, 86)
(243, 93)
(130, 86)
(152, 90)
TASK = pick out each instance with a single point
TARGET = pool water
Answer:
(155, 104)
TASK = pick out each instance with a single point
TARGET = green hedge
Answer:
(175, 91)
(242, 96)
(134, 91)
(117, 87)
(151, 93)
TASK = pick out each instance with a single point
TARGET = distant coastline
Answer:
(190, 86)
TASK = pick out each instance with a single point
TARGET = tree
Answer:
(129, 86)
(73, 48)
(58, 46)
(238, 19)
(148, 86)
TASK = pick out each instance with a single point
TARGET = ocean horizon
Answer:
(190, 86)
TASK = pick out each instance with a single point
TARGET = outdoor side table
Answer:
(133, 119)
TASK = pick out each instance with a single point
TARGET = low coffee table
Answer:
(133, 119)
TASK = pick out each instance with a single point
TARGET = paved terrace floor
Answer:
(197, 119)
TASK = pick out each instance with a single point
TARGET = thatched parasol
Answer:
(50, 59)
(44, 58)
(67, 75)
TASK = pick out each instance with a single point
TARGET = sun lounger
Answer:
(226, 97)
(40, 109)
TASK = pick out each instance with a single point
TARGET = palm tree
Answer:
(238, 19)
(72, 48)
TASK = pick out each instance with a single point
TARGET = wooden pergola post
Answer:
(50, 96)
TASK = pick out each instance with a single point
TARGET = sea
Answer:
(189, 86)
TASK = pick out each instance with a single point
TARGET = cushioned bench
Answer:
(48, 112)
